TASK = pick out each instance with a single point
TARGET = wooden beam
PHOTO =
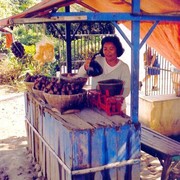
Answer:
(88, 16)
(43, 20)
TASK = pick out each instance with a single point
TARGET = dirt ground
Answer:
(16, 162)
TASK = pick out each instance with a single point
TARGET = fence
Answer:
(157, 79)
(82, 46)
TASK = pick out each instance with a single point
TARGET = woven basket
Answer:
(39, 94)
(176, 82)
(29, 86)
(66, 102)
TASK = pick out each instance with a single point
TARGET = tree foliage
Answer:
(30, 34)
(12, 69)
(12, 7)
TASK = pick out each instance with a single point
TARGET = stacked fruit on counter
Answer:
(53, 85)
(31, 78)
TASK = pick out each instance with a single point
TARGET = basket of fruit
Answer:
(64, 94)
(29, 81)
(38, 93)
(66, 102)
(29, 86)
(39, 85)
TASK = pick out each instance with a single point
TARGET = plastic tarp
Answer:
(165, 37)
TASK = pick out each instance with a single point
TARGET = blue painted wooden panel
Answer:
(60, 147)
(67, 149)
(26, 104)
(122, 137)
(111, 150)
(134, 150)
(83, 148)
(98, 150)
(134, 142)
(40, 120)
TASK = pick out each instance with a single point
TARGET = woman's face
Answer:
(110, 53)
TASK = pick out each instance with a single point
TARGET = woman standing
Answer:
(113, 67)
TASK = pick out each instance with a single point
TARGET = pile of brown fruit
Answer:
(31, 78)
(59, 87)
(53, 85)
(41, 82)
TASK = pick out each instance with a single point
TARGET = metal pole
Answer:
(68, 43)
(135, 35)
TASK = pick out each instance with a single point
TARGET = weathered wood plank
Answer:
(61, 148)
(40, 130)
(94, 119)
(122, 148)
(160, 146)
(43, 165)
(98, 149)
(48, 164)
(112, 151)
(56, 149)
(81, 149)
(159, 142)
(135, 149)
(81, 152)
(116, 120)
(70, 121)
(67, 151)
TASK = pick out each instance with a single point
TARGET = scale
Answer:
(112, 105)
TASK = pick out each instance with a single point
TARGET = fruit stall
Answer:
(88, 137)
(72, 137)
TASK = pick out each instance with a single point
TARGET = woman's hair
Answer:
(115, 40)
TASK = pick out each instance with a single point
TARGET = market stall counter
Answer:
(87, 144)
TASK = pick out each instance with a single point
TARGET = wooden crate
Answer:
(81, 146)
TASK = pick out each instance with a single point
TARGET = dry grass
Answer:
(9, 72)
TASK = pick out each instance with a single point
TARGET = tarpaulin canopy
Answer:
(165, 38)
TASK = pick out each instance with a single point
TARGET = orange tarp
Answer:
(165, 38)
(146, 6)
(9, 40)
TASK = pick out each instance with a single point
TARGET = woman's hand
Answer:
(86, 64)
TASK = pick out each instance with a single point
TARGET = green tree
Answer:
(12, 7)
